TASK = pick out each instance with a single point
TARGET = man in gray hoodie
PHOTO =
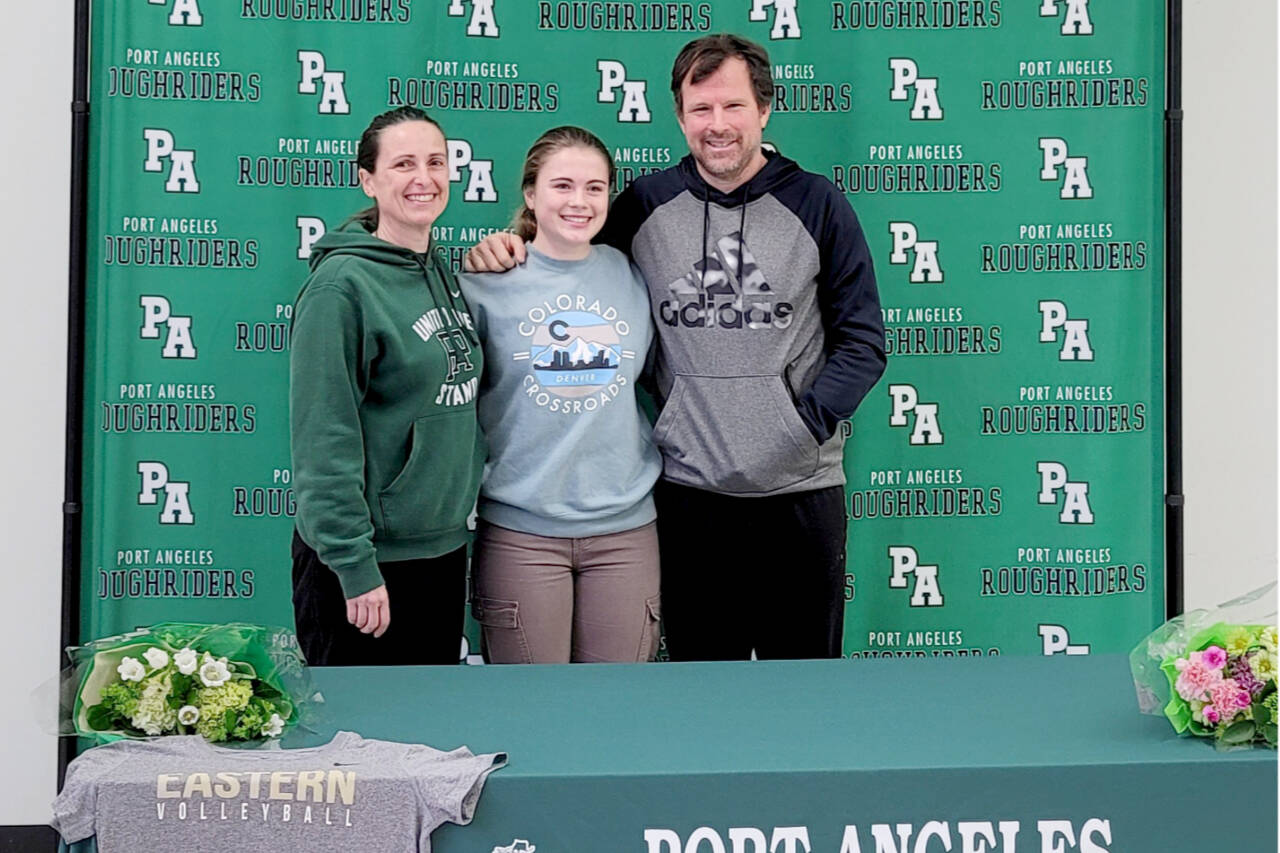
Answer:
(770, 334)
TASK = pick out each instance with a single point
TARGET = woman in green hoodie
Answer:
(387, 455)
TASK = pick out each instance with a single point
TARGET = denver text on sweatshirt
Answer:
(384, 367)
(769, 324)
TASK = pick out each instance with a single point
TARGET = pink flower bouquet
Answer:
(1219, 679)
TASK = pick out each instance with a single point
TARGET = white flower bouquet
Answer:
(235, 682)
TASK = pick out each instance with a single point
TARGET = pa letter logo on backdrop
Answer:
(1075, 184)
(786, 23)
(157, 312)
(177, 500)
(482, 23)
(925, 105)
(924, 579)
(162, 149)
(906, 401)
(613, 76)
(310, 229)
(925, 267)
(1075, 505)
(480, 185)
(333, 98)
(1075, 344)
(185, 13)
(1075, 23)
(1055, 640)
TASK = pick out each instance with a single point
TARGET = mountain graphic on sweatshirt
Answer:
(580, 354)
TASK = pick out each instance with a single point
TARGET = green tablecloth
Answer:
(684, 758)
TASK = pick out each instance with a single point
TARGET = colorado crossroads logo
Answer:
(906, 401)
(482, 23)
(575, 352)
(310, 229)
(786, 24)
(634, 106)
(1075, 23)
(177, 500)
(925, 105)
(182, 162)
(1075, 183)
(1075, 343)
(1055, 640)
(185, 13)
(157, 312)
(925, 268)
(333, 98)
(479, 172)
(1075, 503)
(924, 579)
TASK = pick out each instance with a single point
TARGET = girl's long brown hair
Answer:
(557, 138)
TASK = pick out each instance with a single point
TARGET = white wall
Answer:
(35, 141)
(1230, 356)
(1229, 287)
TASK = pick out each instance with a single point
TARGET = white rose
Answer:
(274, 726)
(156, 657)
(214, 673)
(186, 661)
(131, 669)
(188, 715)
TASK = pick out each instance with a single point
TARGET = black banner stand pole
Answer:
(1173, 498)
(71, 515)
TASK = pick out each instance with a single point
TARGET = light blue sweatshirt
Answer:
(570, 452)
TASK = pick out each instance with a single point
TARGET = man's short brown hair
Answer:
(700, 58)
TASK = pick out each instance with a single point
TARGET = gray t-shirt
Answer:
(181, 793)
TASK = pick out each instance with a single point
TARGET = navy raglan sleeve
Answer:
(624, 220)
(851, 320)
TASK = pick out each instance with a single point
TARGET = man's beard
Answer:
(722, 167)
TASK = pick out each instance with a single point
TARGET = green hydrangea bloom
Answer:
(214, 702)
(252, 719)
(1270, 704)
(153, 714)
(121, 698)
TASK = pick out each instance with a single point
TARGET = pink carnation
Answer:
(1214, 657)
(1195, 678)
(1228, 696)
(1210, 714)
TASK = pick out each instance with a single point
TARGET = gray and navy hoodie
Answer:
(768, 320)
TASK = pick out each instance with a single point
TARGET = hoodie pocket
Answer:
(734, 434)
(436, 489)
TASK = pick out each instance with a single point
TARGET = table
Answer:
(869, 756)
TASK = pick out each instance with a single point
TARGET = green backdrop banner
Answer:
(1005, 158)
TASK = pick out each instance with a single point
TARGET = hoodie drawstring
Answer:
(706, 224)
(742, 227)
(450, 310)
(706, 227)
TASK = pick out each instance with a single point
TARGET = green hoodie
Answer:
(383, 371)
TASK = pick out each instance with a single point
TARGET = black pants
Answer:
(751, 573)
(427, 596)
